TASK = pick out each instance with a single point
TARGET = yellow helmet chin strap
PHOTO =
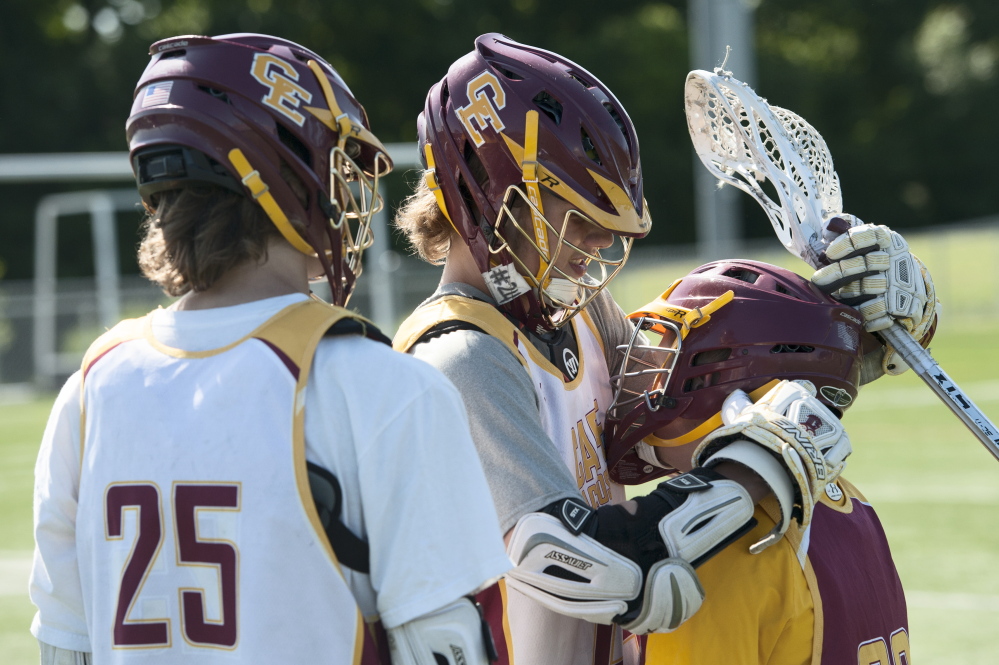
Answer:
(529, 168)
(430, 179)
(342, 120)
(262, 194)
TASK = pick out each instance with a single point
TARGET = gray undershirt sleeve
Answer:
(523, 468)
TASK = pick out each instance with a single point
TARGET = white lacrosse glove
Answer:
(923, 330)
(873, 270)
(790, 439)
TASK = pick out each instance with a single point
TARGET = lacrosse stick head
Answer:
(768, 152)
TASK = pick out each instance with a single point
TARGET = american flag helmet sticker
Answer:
(156, 94)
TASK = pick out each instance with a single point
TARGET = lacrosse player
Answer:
(531, 199)
(251, 474)
(828, 592)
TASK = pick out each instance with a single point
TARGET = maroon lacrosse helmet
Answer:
(740, 325)
(508, 120)
(232, 110)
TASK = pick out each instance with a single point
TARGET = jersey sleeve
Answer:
(54, 586)
(523, 467)
(757, 610)
(425, 507)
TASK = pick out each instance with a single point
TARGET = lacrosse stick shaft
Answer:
(923, 364)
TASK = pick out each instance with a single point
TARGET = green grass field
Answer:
(935, 487)
(21, 427)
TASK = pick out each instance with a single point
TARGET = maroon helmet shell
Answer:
(476, 124)
(777, 326)
(259, 95)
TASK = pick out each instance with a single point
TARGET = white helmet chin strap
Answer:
(562, 292)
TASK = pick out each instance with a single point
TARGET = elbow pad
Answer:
(609, 565)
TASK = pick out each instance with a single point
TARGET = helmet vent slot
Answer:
(588, 147)
(215, 92)
(792, 348)
(294, 144)
(709, 357)
(617, 119)
(743, 275)
(478, 172)
(512, 75)
(550, 106)
(179, 53)
(466, 195)
(475, 166)
(580, 81)
(701, 382)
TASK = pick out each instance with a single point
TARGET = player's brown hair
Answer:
(197, 233)
(426, 228)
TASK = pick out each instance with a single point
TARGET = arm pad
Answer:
(609, 565)
(570, 573)
(456, 634)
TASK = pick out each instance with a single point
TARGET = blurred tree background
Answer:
(904, 91)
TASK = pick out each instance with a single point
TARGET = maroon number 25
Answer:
(188, 499)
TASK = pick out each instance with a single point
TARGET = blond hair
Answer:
(426, 228)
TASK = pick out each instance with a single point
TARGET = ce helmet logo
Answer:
(284, 95)
(571, 363)
(482, 108)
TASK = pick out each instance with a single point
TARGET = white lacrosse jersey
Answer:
(196, 535)
(572, 413)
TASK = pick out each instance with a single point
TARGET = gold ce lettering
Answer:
(284, 96)
(482, 108)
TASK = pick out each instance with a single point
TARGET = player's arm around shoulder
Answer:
(54, 585)
(431, 525)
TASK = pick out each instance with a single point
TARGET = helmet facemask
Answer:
(646, 370)
(646, 366)
(563, 271)
(354, 200)
(354, 195)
